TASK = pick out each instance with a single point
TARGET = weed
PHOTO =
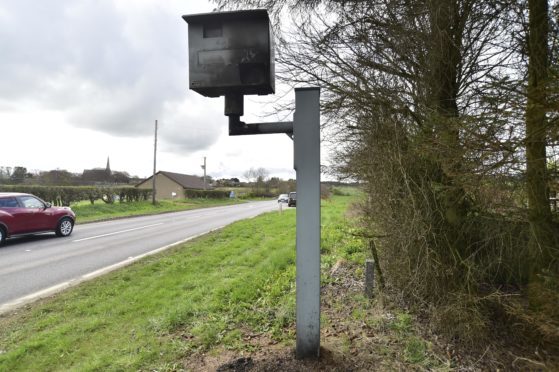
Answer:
(402, 323)
(415, 351)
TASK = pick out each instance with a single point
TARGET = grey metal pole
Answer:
(154, 164)
(306, 138)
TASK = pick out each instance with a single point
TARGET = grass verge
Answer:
(231, 292)
(86, 212)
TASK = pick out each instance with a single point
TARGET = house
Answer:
(169, 185)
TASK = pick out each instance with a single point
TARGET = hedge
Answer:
(64, 195)
(205, 194)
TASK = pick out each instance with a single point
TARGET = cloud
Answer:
(110, 66)
(193, 125)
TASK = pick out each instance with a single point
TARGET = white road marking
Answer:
(117, 232)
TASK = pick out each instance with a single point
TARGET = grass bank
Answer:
(228, 294)
(87, 212)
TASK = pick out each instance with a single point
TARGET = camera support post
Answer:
(234, 109)
(305, 132)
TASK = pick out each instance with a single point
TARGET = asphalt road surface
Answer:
(40, 265)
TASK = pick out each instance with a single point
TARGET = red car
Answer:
(22, 214)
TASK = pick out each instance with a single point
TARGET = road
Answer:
(40, 265)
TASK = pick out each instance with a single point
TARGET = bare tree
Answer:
(257, 178)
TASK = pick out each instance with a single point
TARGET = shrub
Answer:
(205, 194)
(338, 192)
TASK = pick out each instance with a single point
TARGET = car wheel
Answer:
(65, 227)
(2, 235)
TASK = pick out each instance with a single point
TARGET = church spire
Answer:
(108, 169)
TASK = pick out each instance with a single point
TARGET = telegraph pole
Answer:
(154, 164)
(204, 168)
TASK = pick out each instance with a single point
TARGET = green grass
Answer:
(86, 212)
(339, 237)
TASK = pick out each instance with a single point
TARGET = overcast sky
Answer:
(83, 80)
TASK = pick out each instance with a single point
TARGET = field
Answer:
(227, 297)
